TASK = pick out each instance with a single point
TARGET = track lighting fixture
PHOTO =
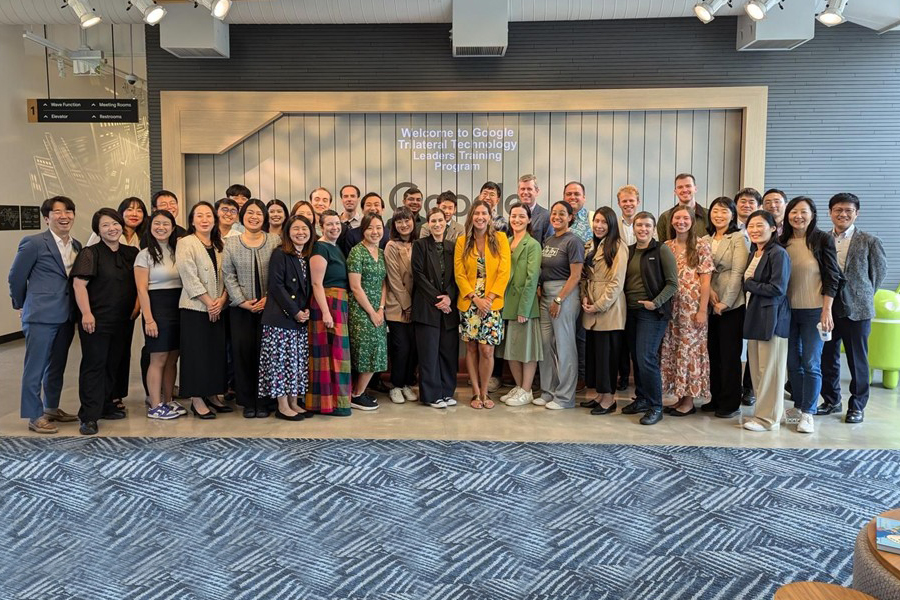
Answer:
(151, 11)
(86, 14)
(217, 8)
(833, 14)
(757, 9)
(706, 10)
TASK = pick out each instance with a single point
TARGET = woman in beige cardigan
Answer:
(603, 309)
(198, 257)
(398, 306)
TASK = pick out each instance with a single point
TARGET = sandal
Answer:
(476, 402)
(487, 402)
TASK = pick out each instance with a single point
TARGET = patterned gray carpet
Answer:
(126, 518)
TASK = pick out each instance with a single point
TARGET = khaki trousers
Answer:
(768, 361)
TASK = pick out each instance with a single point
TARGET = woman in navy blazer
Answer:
(767, 322)
(284, 348)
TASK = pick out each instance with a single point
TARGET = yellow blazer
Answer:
(497, 270)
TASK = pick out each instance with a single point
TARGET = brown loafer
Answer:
(42, 425)
(60, 416)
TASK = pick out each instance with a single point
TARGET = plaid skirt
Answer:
(329, 357)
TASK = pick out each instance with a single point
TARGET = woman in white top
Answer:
(134, 213)
(159, 288)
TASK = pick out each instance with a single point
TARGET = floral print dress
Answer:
(474, 327)
(685, 361)
(368, 343)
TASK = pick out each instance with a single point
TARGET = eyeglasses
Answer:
(228, 211)
(843, 211)
(62, 213)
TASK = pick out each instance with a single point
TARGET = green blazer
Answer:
(521, 292)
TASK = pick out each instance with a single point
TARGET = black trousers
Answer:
(724, 344)
(438, 361)
(601, 357)
(102, 355)
(624, 361)
(246, 332)
(402, 352)
(120, 388)
(855, 335)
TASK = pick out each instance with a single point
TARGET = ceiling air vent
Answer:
(480, 27)
(781, 29)
(189, 32)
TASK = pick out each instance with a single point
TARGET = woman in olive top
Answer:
(433, 312)
(481, 263)
(767, 323)
(730, 249)
(198, 257)
(651, 280)
(603, 308)
(329, 339)
(522, 347)
(245, 269)
(815, 279)
(398, 307)
(562, 258)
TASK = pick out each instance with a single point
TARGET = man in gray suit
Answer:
(528, 192)
(863, 266)
(39, 288)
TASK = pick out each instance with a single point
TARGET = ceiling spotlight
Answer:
(834, 14)
(153, 13)
(84, 11)
(217, 8)
(706, 10)
(757, 9)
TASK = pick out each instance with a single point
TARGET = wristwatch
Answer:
(558, 300)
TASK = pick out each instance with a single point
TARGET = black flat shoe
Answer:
(854, 416)
(748, 399)
(728, 415)
(826, 409)
(219, 408)
(249, 413)
(88, 428)
(677, 413)
(210, 415)
(604, 411)
(262, 413)
(281, 415)
(113, 415)
(589, 404)
(652, 417)
(667, 409)
(622, 385)
(709, 407)
(636, 407)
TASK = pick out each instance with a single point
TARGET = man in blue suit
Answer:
(39, 288)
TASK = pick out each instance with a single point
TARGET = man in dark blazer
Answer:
(372, 203)
(863, 265)
(39, 288)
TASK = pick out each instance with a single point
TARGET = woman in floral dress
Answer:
(366, 272)
(482, 265)
(685, 361)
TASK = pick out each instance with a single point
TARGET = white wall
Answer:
(96, 165)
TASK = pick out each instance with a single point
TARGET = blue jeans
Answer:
(804, 361)
(645, 330)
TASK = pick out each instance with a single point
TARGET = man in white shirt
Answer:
(350, 199)
(39, 288)
(239, 193)
(747, 202)
(774, 201)
(528, 192)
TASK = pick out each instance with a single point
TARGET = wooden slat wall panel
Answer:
(603, 150)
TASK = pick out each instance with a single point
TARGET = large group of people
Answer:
(300, 311)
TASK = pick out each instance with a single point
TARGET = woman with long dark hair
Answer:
(158, 289)
(481, 266)
(134, 218)
(730, 249)
(684, 359)
(603, 308)
(198, 257)
(103, 283)
(398, 306)
(278, 214)
(245, 269)
(284, 349)
(815, 280)
(767, 323)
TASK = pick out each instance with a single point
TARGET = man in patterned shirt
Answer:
(573, 193)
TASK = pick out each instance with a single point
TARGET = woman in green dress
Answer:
(368, 332)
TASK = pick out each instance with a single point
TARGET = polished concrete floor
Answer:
(414, 421)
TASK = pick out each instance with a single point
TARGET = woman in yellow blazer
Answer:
(603, 308)
(481, 264)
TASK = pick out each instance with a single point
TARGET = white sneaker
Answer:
(756, 425)
(539, 401)
(396, 396)
(493, 385)
(450, 401)
(521, 399)
(792, 416)
(409, 394)
(553, 405)
(806, 424)
(513, 392)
